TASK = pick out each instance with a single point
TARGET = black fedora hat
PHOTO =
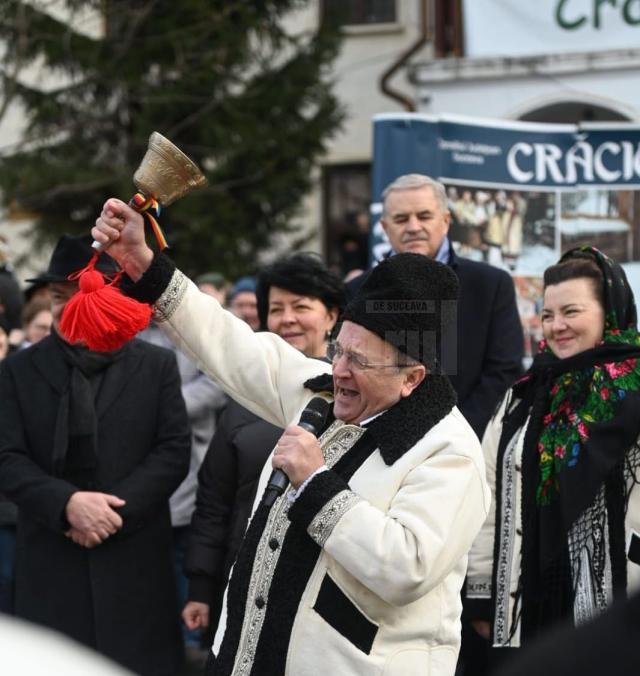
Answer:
(71, 254)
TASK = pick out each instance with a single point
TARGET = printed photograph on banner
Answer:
(529, 299)
(632, 270)
(607, 219)
(511, 229)
(378, 241)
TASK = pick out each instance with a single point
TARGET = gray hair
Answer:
(415, 181)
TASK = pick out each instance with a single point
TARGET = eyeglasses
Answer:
(356, 362)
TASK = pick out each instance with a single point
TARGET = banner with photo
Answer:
(520, 193)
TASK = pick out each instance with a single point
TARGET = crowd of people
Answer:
(450, 511)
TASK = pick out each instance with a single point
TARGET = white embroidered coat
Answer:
(396, 548)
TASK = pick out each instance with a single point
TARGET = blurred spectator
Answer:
(4, 337)
(10, 294)
(214, 284)
(36, 321)
(36, 318)
(241, 300)
(37, 289)
(352, 274)
(8, 515)
(354, 244)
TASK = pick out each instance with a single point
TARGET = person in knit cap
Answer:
(357, 567)
(92, 445)
(242, 301)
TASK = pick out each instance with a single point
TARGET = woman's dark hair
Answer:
(304, 274)
(579, 266)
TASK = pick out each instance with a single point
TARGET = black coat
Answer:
(490, 340)
(227, 484)
(120, 597)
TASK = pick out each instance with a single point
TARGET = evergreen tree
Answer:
(248, 102)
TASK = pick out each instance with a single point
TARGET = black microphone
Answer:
(312, 420)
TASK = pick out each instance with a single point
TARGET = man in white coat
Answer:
(357, 568)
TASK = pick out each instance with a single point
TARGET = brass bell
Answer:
(166, 173)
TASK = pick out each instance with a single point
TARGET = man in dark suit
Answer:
(489, 351)
(91, 447)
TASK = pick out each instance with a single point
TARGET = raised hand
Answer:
(121, 229)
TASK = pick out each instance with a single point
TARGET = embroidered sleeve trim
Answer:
(320, 490)
(167, 304)
(325, 521)
(479, 589)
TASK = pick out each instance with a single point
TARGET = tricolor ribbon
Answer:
(149, 207)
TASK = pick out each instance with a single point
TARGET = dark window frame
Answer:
(360, 12)
(335, 226)
(448, 38)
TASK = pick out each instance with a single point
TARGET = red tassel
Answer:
(100, 316)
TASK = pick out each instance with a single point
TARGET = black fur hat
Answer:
(410, 301)
(71, 254)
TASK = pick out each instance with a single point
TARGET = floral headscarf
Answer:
(583, 398)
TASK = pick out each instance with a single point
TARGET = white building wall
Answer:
(366, 53)
(509, 88)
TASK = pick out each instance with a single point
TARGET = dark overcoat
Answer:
(490, 339)
(227, 484)
(119, 597)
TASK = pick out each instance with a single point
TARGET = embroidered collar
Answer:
(399, 428)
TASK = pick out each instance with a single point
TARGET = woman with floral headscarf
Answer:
(563, 536)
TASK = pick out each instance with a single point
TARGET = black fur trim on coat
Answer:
(297, 560)
(403, 425)
(237, 592)
(315, 496)
(321, 383)
(154, 281)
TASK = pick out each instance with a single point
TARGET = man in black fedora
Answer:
(91, 447)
